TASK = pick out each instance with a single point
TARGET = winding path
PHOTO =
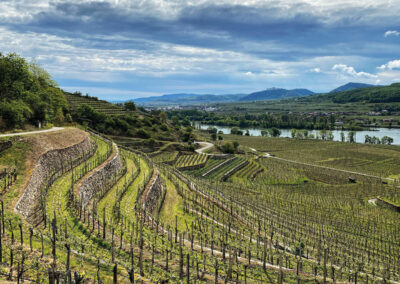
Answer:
(32, 132)
(205, 146)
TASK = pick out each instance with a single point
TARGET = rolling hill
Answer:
(351, 86)
(276, 93)
(376, 94)
(187, 99)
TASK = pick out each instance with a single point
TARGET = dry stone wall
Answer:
(48, 163)
(153, 194)
(99, 178)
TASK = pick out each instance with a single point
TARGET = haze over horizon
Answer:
(119, 50)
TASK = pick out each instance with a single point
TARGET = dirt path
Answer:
(32, 132)
(205, 146)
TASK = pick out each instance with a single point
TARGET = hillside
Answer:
(195, 99)
(275, 94)
(28, 94)
(122, 121)
(379, 94)
(351, 86)
(88, 208)
(30, 98)
(75, 100)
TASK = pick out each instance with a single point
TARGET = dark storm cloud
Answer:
(211, 26)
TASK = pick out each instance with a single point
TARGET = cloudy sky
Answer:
(121, 49)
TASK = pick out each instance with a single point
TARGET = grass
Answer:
(173, 206)
(15, 156)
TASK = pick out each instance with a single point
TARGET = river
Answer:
(360, 135)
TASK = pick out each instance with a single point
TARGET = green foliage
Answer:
(228, 147)
(130, 106)
(274, 132)
(236, 131)
(28, 94)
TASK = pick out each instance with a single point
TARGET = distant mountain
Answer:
(351, 86)
(375, 94)
(276, 93)
(186, 99)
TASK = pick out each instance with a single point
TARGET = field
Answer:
(240, 218)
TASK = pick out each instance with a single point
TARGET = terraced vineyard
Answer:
(248, 173)
(221, 171)
(211, 164)
(113, 215)
(186, 161)
(101, 106)
(165, 157)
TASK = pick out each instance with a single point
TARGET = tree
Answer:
(351, 137)
(386, 140)
(228, 147)
(163, 117)
(175, 121)
(330, 136)
(293, 133)
(342, 137)
(186, 122)
(214, 136)
(274, 132)
(264, 133)
(236, 131)
(212, 130)
(28, 94)
(323, 134)
(368, 139)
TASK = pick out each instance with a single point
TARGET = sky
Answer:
(120, 49)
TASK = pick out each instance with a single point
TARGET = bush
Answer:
(228, 147)
(143, 133)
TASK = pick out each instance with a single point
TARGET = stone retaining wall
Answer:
(48, 163)
(153, 194)
(98, 179)
(388, 204)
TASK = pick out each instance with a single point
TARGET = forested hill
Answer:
(380, 94)
(27, 94)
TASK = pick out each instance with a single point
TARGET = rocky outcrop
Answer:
(99, 178)
(49, 163)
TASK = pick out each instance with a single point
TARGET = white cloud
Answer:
(316, 70)
(394, 64)
(392, 33)
(350, 71)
